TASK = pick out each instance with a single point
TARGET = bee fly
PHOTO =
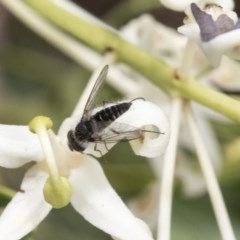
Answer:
(92, 127)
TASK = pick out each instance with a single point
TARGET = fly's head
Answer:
(73, 143)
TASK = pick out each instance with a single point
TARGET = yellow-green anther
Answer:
(40, 121)
(58, 195)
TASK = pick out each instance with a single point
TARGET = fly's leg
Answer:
(97, 150)
(138, 98)
(105, 144)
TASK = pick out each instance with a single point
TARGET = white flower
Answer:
(215, 30)
(156, 38)
(226, 77)
(92, 195)
(197, 134)
(183, 4)
(61, 176)
(168, 45)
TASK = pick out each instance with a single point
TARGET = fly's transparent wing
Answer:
(96, 89)
(119, 132)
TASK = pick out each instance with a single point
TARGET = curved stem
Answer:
(165, 205)
(127, 10)
(210, 178)
(100, 38)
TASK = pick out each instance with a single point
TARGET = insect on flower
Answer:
(99, 126)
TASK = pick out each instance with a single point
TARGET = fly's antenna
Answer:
(138, 98)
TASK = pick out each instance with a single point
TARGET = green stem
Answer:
(126, 10)
(158, 72)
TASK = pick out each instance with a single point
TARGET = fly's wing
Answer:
(121, 132)
(117, 132)
(96, 89)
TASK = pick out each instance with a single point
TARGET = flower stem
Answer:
(210, 178)
(124, 11)
(101, 38)
(165, 205)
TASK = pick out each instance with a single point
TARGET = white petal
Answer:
(177, 5)
(143, 114)
(225, 4)
(226, 76)
(18, 146)
(226, 43)
(142, 224)
(190, 30)
(145, 31)
(94, 198)
(183, 4)
(222, 44)
(27, 208)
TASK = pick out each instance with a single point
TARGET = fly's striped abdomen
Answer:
(111, 113)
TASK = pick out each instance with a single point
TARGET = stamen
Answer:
(40, 125)
(57, 189)
(166, 190)
(214, 191)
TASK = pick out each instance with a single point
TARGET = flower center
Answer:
(57, 189)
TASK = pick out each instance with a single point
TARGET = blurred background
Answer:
(37, 79)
